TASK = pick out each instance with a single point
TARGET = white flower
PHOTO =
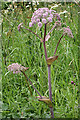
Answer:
(16, 68)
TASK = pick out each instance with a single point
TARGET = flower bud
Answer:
(72, 82)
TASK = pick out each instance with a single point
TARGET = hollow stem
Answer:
(50, 92)
(49, 82)
(58, 43)
(49, 74)
(31, 83)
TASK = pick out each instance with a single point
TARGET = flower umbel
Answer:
(16, 68)
(43, 16)
(67, 31)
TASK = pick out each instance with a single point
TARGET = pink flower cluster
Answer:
(16, 68)
(43, 16)
(68, 31)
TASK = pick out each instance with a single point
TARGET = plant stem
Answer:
(50, 93)
(49, 82)
(49, 73)
(28, 86)
(51, 29)
(31, 31)
(44, 42)
(31, 83)
(58, 43)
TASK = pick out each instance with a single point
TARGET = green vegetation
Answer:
(26, 49)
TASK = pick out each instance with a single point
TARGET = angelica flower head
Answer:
(67, 31)
(43, 16)
(16, 68)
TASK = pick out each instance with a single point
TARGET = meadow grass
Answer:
(25, 48)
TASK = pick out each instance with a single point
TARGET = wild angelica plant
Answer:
(43, 17)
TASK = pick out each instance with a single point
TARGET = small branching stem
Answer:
(31, 83)
(58, 43)
(31, 31)
(29, 87)
(51, 29)
(44, 42)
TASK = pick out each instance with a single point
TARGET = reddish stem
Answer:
(32, 32)
(44, 42)
(49, 73)
(49, 82)
(50, 92)
(31, 83)
(58, 43)
(52, 29)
